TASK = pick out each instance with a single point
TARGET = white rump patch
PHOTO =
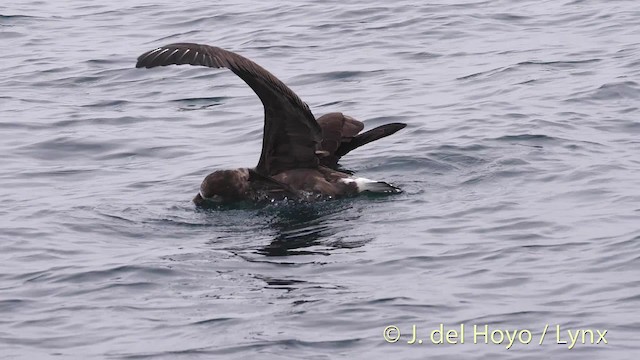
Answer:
(364, 184)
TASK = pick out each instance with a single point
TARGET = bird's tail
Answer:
(373, 186)
(369, 136)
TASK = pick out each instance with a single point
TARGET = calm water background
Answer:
(520, 166)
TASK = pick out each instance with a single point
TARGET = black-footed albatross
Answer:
(299, 154)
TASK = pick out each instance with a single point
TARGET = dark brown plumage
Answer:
(291, 133)
(341, 134)
(299, 154)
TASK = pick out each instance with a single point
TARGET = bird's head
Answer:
(223, 186)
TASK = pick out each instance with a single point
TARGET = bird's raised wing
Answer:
(291, 134)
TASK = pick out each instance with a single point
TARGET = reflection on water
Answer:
(301, 226)
(294, 228)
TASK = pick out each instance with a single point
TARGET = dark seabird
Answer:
(300, 154)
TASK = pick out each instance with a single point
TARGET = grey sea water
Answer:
(520, 166)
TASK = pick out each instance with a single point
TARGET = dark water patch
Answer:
(42, 101)
(616, 262)
(51, 321)
(631, 300)
(281, 283)
(162, 152)
(112, 104)
(305, 229)
(370, 11)
(310, 240)
(20, 231)
(386, 300)
(447, 230)
(512, 173)
(261, 347)
(56, 70)
(397, 164)
(41, 276)
(529, 82)
(628, 110)
(574, 246)
(116, 217)
(224, 321)
(62, 172)
(511, 282)
(201, 103)
(111, 289)
(306, 243)
(92, 121)
(530, 139)
(330, 104)
(486, 74)
(512, 162)
(198, 22)
(506, 318)
(515, 225)
(187, 224)
(101, 62)
(115, 274)
(510, 18)
(12, 34)
(432, 261)
(334, 75)
(608, 92)
(64, 147)
(567, 64)
(43, 255)
(586, 195)
(18, 19)
(276, 49)
(500, 207)
(516, 116)
(285, 262)
(471, 148)
(457, 159)
(11, 305)
(397, 24)
(420, 55)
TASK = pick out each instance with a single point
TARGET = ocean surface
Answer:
(520, 167)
